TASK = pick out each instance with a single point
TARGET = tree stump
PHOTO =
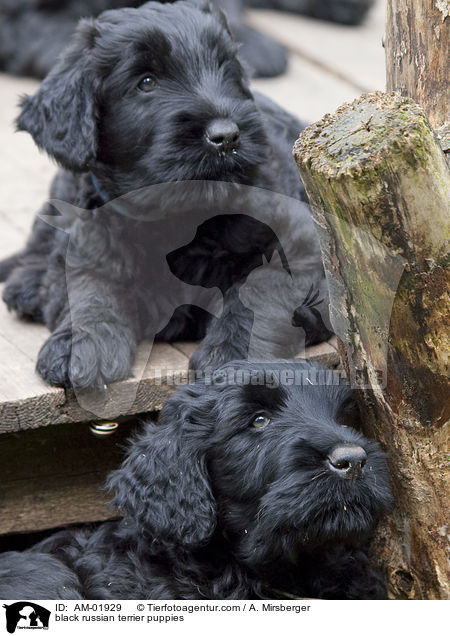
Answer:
(379, 188)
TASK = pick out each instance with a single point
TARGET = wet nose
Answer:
(222, 134)
(347, 460)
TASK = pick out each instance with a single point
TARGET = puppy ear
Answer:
(61, 116)
(163, 483)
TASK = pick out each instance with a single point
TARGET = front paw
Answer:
(100, 356)
(54, 359)
(87, 359)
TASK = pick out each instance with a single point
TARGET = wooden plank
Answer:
(18, 378)
(31, 406)
(31, 506)
(352, 54)
(24, 396)
(26, 401)
(325, 353)
(30, 403)
(54, 476)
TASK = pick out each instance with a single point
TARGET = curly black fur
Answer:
(103, 280)
(231, 495)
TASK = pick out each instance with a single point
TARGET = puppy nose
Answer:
(222, 134)
(347, 460)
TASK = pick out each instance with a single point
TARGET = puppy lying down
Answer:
(176, 181)
(255, 485)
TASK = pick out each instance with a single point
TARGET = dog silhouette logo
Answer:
(26, 615)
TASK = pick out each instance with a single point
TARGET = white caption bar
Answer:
(370, 618)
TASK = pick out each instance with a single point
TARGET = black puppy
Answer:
(34, 32)
(153, 102)
(252, 485)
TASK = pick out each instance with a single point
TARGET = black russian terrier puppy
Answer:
(150, 116)
(253, 484)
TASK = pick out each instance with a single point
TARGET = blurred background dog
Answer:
(34, 32)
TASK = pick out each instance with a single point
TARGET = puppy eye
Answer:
(261, 421)
(146, 84)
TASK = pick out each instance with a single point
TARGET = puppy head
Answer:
(149, 95)
(267, 454)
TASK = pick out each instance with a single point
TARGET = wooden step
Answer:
(26, 401)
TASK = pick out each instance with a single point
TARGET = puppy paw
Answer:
(87, 359)
(100, 357)
(54, 359)
(21, 292)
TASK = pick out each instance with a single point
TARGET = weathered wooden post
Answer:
(380, 192)
(379, 188)
(417, 57)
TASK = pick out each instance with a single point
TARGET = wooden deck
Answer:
(26, 401)
(52, 475)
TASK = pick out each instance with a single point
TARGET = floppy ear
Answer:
(61, 116)
(163, 483)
